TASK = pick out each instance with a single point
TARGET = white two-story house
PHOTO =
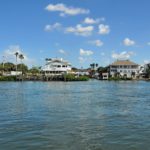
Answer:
(124, 68)
(56, 66)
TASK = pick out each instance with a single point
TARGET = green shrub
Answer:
(71, 77)
(7, 78)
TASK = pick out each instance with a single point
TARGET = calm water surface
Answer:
(92, 115)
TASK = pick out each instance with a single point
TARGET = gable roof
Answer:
(124, 62)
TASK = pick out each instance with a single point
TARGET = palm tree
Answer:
(91, 65)
(21, 58)
(96, 65)
(16, 54)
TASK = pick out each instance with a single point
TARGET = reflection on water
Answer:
(92, 115)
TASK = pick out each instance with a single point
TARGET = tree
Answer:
(9, 66)
(103, 69)
(21, 58)
(92, 66)
(22, 67)
(96, 65)
(16, 54)
(1, 67)
(34, 70)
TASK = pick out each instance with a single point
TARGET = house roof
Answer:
(124, 62)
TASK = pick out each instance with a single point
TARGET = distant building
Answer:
(81, 72)
(56, 66)
(12, 73)
(105, 76)
(124, 68)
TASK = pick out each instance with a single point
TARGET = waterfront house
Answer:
(12, 73)
(124, 68)
(105, 76)
(56, 66)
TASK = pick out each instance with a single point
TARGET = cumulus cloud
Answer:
(9, 55)
(55, 26)
(85, 52)
(80, 30)
(65, 10)
(88, 20)
(146, 61)
(123, 55)
(128, 42)
(97, 43)
(104, 29)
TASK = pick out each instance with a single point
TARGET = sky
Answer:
(80, 31)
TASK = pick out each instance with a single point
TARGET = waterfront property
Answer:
(124, 68)
(56, 66)
(105, 76)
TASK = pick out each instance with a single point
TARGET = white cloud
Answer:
(146, 61)
(122, 55)
(128, 42)
(80, 30)
(9, 55)
(85, 52)
(88, 20)
(52, 27)
(104, 29)
(64, 10)
(62, 51)
(97, 42)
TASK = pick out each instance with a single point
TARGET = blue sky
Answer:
(81, 31)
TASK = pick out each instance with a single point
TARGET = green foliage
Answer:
(22, 67)
(94, 66)
(74, 69)
(1, 67)
(34, 70)
(71, 77)
(103, 69)
(7, 78)
(8, 66)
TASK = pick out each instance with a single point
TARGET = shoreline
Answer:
(89, 79)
